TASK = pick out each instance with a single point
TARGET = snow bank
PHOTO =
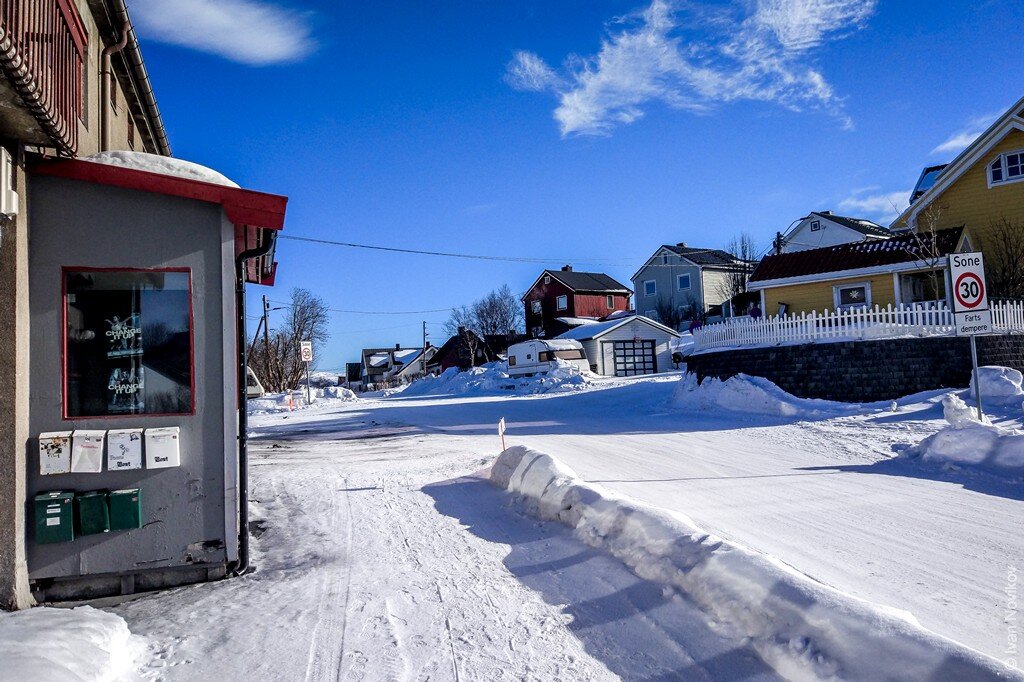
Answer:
(67, 644)
(278, 402)
(999, 383)
(803, 629)
(956, 411)
(493, 378)
(165, 165)
(967, 442)
(752, 395)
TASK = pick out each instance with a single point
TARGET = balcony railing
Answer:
(42, 50)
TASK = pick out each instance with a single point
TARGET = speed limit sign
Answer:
(306, 351)
(970, 294)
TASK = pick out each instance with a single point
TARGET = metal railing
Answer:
(42, 51)
(848, 324)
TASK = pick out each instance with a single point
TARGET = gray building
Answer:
(689, 281)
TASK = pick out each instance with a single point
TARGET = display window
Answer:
(127, 342)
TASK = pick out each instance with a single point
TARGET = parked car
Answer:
(253, 387)
(541, 355)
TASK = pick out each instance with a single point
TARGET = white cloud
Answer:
(696, 59)
(883, 206)
(960, 140)
(247, 31)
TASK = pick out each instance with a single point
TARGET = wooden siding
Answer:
(972, 203)
(596, 305)
(803, 298)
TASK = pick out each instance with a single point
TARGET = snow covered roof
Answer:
(407, 355)
(551, 344)
(592, 331)
(379, 359)
(164, 165)
(577, 321)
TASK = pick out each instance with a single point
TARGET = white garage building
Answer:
(626, 346)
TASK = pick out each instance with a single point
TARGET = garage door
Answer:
(634, 357)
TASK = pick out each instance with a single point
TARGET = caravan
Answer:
(542, 355)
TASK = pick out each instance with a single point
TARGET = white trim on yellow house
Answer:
(965, 160)
(909, 266)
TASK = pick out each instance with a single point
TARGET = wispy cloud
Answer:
(247, 31)
(869, 203)
(694, 58)
(959, 140)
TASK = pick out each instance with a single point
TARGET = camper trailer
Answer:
(541, 355)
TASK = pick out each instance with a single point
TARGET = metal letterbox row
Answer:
(61, 516)
(81, 451)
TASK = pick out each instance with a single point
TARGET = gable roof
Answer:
(702, 256)
(593, 331)
(589, 282)
(1012, 119)
(865, 227)
(854, 256)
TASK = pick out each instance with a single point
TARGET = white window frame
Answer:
(655, 291)
(651, 315)
(815, 225)
(1002, 165)
(610, 301)
(536, 307)
(689, 282)
(547, 279)
(664, 259)
(562, 302)
(836, 288)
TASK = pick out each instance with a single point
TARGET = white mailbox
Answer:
(162, 449)
(55, 453)
(124, 449)
(87, 451)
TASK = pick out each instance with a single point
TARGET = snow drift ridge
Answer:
(802, 628)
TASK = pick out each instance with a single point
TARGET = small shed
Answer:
(626, 346)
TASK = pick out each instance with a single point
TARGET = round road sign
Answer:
(969, 290)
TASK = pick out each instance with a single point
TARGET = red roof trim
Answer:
(252, 213)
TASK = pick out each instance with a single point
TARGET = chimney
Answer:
(566, 268)
(681, 245)
(398, 346)
(824, 212)
(462, 330)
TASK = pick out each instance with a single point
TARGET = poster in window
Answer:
(128, 342)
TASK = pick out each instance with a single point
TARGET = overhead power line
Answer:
(285, 304)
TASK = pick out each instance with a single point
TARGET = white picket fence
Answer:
(850, 324)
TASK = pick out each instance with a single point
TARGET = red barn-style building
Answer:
(568, 294)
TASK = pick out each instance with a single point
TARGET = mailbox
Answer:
(87, 451)
(162, 447)
(55, 453)
(54, 517)
(124, 449)
(93, 513)
(125, 509)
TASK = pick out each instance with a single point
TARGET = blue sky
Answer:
(586, 132)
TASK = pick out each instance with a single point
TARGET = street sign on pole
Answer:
(306, 353)
(971, 315)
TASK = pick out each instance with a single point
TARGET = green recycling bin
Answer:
(125, 509)
(54, 517)
(93, 514)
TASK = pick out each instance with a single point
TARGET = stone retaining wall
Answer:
(863, 371)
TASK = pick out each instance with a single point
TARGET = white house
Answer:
(626, 346)
(825, 228)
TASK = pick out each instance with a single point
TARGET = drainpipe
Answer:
(106, 83)
(242, 565)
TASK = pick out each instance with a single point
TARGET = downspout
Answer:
(106, 83)
(242, 565)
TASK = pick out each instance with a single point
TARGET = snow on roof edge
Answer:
(163, 165)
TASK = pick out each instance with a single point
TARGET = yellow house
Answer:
(905, 269)
(981, 190)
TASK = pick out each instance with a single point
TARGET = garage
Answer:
(626, 345)
(634, 357)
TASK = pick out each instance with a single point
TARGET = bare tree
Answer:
(670, 315)
(278, 363)
(923, 247)
(745, 253)
(1005, 258)
(499, 312)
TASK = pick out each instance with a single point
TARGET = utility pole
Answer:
(423, 355)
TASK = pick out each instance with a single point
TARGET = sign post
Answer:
(501, 432)
(971, 314)
(306, 352)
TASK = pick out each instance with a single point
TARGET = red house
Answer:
(561, 294)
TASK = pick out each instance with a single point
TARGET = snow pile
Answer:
(278, 402)
(971, 443)
(999, 383)
(753, 395)
(67, 644)
(800, 627)
(493, 378)
(956, 411)
(164, 165)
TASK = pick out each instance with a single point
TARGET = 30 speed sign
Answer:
(306, 351)
(970, 294)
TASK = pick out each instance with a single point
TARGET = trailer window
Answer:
(511, 361)
(127, 342)
(569, 354)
